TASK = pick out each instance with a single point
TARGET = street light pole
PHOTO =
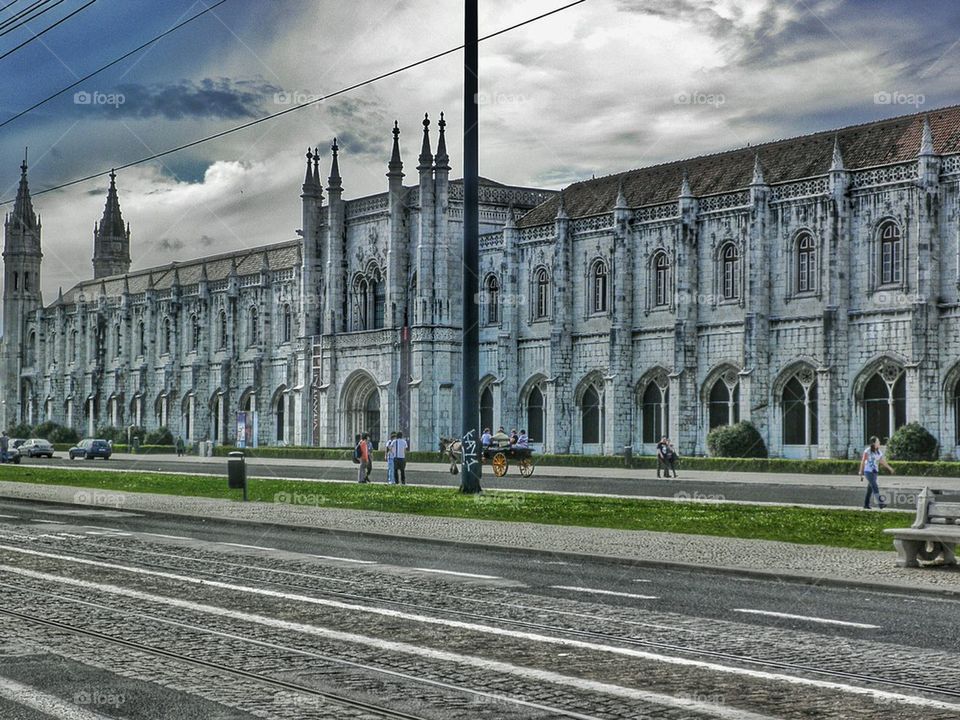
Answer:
(470, 375)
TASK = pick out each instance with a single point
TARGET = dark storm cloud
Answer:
(210, 98)
(361, 127)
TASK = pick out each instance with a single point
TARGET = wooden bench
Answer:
(934, 534)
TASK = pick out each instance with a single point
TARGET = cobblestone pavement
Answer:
(117, 624)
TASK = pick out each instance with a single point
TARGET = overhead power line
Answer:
(110, 64)
(47, 29)
(294, 108)
(4, 25)
(17, 16)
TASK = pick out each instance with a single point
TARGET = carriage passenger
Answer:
(522, 440)
(486, 440)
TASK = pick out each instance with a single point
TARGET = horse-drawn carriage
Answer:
(498, 456)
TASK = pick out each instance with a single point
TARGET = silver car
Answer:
(36, 447)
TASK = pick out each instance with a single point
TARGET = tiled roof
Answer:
(280, 256)
(877, 143)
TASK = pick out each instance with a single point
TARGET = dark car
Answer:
(36, 447)
(91, 448)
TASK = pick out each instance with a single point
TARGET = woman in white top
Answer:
(870, 463)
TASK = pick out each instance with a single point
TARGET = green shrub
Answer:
(913, 442)
(109, 432)
(160, 436)
(56, 433)
(741, 440)
(20, 430)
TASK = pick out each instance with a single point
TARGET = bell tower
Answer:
(111, 240)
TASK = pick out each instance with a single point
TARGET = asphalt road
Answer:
(548, 479)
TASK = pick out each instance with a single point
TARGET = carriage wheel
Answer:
(526, 467)
(499, 464)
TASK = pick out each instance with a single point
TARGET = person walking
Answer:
(870, 463)
(666, 457)
(391, 459)
(4, 446)
(369, 443)
(400, 458)
(362, 454)
(179, 446)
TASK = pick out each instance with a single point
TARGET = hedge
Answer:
(123, 448)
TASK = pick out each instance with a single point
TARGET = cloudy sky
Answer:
(604, 86)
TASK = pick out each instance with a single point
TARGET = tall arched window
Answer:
(884, 403)
(16, 280)
(31, 349)
(598, 278)
(661, 279)
(281, 417)
(486, 408)
(371, 416)
(379, 292)
(167, 335)
(730, 272)
(724, 403)
(26, 280)
(194, 332)
(141, 339)
(222, 330)
(117, 340)
(72, 349)
(806, 263)
(287, 323)
(541, 305)
(253, 325)
(535, 415)
(799, 402)
(891, 254)
(655, 412)
(361, 302)
(493, 300)
(591, 416)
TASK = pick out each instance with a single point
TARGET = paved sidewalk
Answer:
(891, 482)
(812, 563)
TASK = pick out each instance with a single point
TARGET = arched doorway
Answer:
(884, 402)
(535, 415)
(486, 408)
(361, 408)
(798, 413)
(654, 411)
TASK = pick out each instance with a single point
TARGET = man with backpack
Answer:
(361, 456)
(400, 458)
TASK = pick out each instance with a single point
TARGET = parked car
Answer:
(36, 447)
(12, 456)
(17, 442)
(90, 448)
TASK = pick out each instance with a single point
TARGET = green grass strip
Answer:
(808, 526)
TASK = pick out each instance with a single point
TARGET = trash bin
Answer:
(627, 455)
(136, 444)
(237, 472)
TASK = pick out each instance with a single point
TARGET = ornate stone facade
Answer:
(810, 285)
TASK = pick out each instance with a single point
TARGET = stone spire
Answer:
(309, 181)
(757, 171)
(426, 157)
(836, 162)
(335, 182)
(111, 224)
(60, 295)
(396, 164)
(111, 238)
(23, 215)
(316, 169)
(441, 159)
(685, 191)
(926, 140)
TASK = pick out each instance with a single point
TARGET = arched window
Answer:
(541, 306)
(730, 272)
(253, 326)
(661, 279)
(281, 417)
(655, 412)
(72, 346)
(16, 280)
(486, 408)
(724, 403)
(194, 332)
(167, 335)
(26, 281)
(361, 302)
(31, 349)
(799, 401)
(599, 287)
(591, 416)
(379, 292)
(117, 340)
(806, 263)
(535, 415)
(371, 417)
(141, 340)
(287, 323)
(891, 254)
(884, 403)
(222, 330)
(493, 300)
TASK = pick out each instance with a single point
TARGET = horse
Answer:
(452, 448)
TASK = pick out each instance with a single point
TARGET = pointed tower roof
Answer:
(316, 169)
(126, 284)
(926, 140)
(60, 295)
(757, 171)
(426, 157)
(335, 182)
(442, 160)
(396, 164)
(23, 207)
(836, 163)
(111, 224)
(308, 179)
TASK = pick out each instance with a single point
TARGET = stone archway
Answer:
(360, 408)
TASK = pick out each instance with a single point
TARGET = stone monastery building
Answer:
(810, 285)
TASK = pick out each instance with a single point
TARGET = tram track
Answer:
(800, 669)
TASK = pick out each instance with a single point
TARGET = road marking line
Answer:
(343, 559)
(49, 705)
(725, 712)
(641, 580)
(101, 533)
(100, 527)
(719, 711)
(13, 517)
(252, 547)
(789, 616)
(605, 592)
(172, 537)
(48, 522)
(454, 572)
